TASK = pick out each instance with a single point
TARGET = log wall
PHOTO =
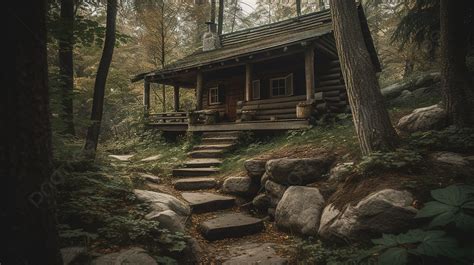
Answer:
(330, 82)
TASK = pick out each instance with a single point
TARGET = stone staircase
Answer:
(196, 181)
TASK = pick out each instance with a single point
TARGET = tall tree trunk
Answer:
(28, 208)
(458, 91)
(66, 70)
(93, 132)
(371, 120)
(234, 16)
(163, 49)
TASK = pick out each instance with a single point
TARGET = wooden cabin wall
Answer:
(280, 68)
(330, 82)
(233, 83)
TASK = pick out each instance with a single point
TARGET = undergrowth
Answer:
(96, 204)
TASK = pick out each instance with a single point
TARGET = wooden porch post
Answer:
(176, 98)
(199, 91)
(248, 81)
(309, 73)
(146, 98)
(164, 97)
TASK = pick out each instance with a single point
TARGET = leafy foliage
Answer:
(311, 251)
(396, 249)
(95, 207)
(452, 205)
(399, 159)
(452, 138)
(419, 24)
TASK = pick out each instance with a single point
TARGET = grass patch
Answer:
(338, 136)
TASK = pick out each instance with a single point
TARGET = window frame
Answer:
(287, 93)
(259, 89)
(218, 102)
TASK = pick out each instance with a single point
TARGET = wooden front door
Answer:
(231, 105)
(234, 92)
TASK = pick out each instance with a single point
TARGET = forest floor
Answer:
(97, 208)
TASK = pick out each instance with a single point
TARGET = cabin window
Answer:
(214, 96)
(282, 86)
(256, 89)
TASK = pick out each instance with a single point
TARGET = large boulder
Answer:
(299, 210)
(423, 119)
(274, 189)
(243, 186)
(162, 202)
(148, 178)
(300, 171)
(264, 179)
(385, 211)
(262, 202)
(128, 256)
(75, 255)
(255, 254)
(452, 159)
(255, 168)
(168, 220)
(395, 90)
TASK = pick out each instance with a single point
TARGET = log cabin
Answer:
(271, 77)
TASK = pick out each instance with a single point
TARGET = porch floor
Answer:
(289, 124)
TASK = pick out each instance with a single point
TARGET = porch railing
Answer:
(168, 118)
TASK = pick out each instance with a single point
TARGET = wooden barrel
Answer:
(304, 110)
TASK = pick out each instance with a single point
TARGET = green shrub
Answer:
(399, 159)
(312, 251)
(96, 207)
(451, 138)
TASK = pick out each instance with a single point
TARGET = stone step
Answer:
(228, 225)
(219, 140)
(206, 154)
(203, 162)
(195, 183)
(212, 146)
(203, 202)
(194, 172)
(221, 134)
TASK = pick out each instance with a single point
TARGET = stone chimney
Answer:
(210, 39)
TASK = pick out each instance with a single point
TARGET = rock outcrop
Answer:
(385, 211)
(423, 119)
(242, 186)
(161, 202)
(128, 256)
(395, 90)
(254, 253)
(298, 171)
(300, 210)
(168, 220)
(453, 159)
(255, 168)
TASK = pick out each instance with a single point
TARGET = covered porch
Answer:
(258, 91)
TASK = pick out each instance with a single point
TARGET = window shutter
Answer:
(256, 89)
(221, 93)
(289, 84)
